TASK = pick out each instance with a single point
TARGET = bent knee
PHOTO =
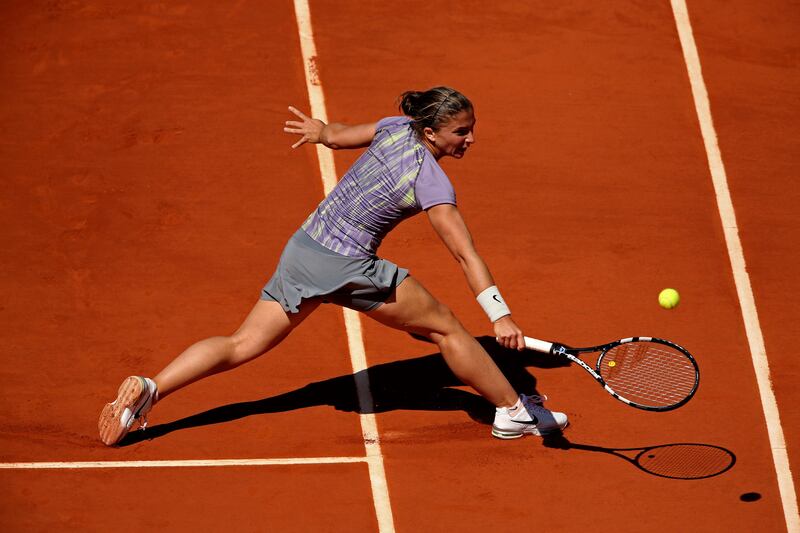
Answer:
(443, 312)
(445, 320)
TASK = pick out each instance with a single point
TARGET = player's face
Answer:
(454, 137)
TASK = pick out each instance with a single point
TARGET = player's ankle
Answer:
(511, 405)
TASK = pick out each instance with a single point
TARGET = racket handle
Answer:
(537, 345)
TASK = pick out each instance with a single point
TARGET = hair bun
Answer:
(410, 103)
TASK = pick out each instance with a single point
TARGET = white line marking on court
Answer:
(314, 86)
(185, 463)
(741, 278)
(352, 322)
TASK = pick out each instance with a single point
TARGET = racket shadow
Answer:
(680, 460)
(422, 383)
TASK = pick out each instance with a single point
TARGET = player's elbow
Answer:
(465, 256)
(461, 260)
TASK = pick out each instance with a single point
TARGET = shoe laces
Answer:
(537, 399)
(142, 419)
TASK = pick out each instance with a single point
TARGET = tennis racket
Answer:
(643, 372)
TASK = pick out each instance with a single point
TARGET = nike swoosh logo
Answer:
(496, 298)
(531, 423)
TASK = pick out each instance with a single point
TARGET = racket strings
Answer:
(649, 374)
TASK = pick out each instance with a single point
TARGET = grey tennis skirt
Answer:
(308, 270)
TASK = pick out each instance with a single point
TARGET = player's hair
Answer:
(432, 108)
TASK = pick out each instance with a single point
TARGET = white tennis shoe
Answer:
(527, 416)
(134, 400)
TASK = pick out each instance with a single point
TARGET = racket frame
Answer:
(573, 354)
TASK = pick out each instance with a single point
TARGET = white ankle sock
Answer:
(515, 408)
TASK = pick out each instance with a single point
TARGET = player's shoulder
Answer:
(393, 122)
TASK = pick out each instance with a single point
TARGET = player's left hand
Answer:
(508, 334)
(309, 128)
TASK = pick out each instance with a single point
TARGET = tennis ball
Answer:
(612, 363)
(668, 298)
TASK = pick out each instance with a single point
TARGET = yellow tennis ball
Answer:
(612, 363)
(668, 298)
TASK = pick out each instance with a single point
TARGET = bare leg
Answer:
(415, 310)
(265, 327)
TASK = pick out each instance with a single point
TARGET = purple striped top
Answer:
(394, 179)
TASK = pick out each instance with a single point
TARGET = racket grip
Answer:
(537, 345)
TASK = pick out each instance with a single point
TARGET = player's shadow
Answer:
(422, 383)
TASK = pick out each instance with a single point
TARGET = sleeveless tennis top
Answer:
(394, 179)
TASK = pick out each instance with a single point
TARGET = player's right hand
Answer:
(508, 334)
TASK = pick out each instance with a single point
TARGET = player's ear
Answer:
(429, 134)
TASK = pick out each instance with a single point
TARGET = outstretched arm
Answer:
(333, 135)
(451, 228)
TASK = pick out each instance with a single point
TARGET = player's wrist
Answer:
(323, 135)
(493, 304)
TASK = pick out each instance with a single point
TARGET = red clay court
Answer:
(148, 190)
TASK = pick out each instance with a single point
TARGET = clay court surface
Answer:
(148, 189)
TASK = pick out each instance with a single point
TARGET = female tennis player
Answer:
(332, 259)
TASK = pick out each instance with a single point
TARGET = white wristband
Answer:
(493, 304)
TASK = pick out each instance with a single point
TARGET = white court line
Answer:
(735, 253)
(185, 463)
(352, 322)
